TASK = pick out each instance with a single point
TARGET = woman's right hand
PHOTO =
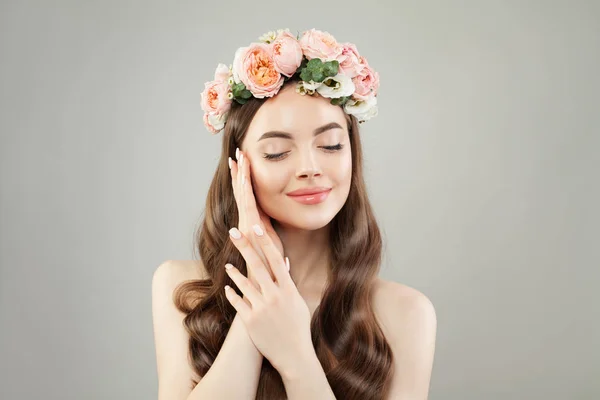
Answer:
(248, 210)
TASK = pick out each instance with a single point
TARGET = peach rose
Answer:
(317, 44)
(287, 53)
(349, 60)
(255, 68)
(366, 82)
(214, 98)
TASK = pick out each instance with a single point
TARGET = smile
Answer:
(314, 198)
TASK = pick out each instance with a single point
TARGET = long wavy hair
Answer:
(349, 343)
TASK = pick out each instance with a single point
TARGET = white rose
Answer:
(237, 63)
(363, 110)
(217, 121)
(270, 36)
(336, 86)
(307, 87)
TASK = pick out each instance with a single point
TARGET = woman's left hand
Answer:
(278, 318)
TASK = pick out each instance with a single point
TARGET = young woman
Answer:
(285, 301)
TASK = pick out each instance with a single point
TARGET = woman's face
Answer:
(288, 144)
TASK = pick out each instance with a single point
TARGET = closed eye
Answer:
(279, 156)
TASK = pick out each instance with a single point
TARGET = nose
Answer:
(308, 167)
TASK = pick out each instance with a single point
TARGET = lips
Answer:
(308, 191)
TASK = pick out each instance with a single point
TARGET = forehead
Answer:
(297, 114)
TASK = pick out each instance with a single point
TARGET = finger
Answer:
(238, 303)
(251, 206)
(249, 203)
(266, 220)
(277, 264)
(236, 181)
(233, 170)
(253, 261)
(246, 287)
(241, 183)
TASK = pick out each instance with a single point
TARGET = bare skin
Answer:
(406, 316)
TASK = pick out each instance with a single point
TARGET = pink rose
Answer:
(317, 44)
(287, 54)
(366, 82)
(255, 68)
(214, 98)
(349, 60)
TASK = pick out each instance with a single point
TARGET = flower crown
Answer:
(333, 70)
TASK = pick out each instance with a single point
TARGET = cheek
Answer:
(269, 181)
(341, 172)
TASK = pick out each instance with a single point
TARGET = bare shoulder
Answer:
(409, 323)
(178, 271)
(171, 339)
(394, 302)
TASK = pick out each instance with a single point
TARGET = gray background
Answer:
(483, 168)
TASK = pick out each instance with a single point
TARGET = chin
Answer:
(298, 222)
(300, 216)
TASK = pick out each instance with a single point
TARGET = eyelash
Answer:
(278, 156)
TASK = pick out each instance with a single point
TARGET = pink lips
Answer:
(313, 195)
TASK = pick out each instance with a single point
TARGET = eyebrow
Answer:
(286, 135)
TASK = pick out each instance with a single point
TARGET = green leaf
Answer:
(331, 68)
(246, 94)
(340, 101)
(306, 75)
(316, 70)
(314, 62)
(318, 76)
(239, 91)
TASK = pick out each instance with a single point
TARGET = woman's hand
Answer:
(277, 318)
(248, 210)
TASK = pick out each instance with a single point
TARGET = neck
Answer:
(308, 251)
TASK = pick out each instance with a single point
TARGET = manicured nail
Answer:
(243, 179)
(237, 153)
(287, 262)
(229, 162)
(257, 229)
(227, 287)
(241, 160)
(228, 266)
(235, 233)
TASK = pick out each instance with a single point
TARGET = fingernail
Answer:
(243, 179)
(237, 153)
(287, 262)
(241, 159)
(228, 266)
(257, 229)
(235, 233)
(229, 162)
(227, 287)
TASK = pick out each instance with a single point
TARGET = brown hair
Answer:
(347, 338)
